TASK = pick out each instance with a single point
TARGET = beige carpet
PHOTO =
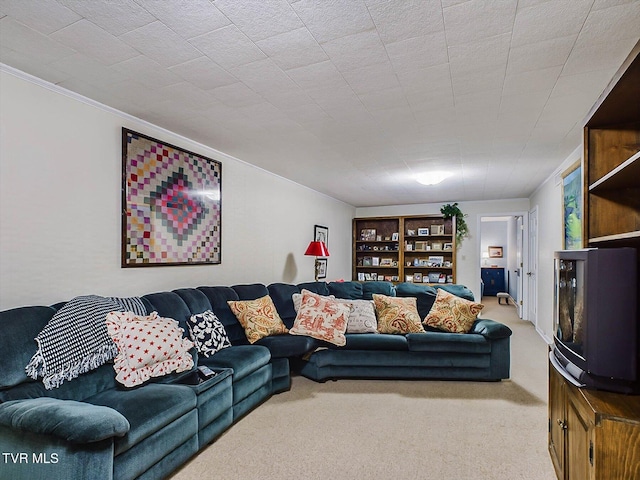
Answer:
(369, 429)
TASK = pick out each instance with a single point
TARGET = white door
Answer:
(532, 277)
(519, 266)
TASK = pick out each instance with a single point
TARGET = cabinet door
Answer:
(556, 421)
(578, 436)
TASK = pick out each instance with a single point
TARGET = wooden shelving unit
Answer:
(420, 249)
(596, 435)
(612, 162)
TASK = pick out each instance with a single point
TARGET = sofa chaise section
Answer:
(144, 432)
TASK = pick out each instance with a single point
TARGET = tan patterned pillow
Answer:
(322, 317)
(452, 314)
(397, 314)
(259, 317)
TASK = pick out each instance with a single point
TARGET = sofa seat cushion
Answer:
(284, 346)
(148, 409)
(243, 359)
(375, 341)
(75, 422)
(448, 342)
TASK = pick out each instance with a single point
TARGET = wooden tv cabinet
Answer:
(593, 435)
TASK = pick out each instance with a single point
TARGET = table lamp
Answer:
(317, 249)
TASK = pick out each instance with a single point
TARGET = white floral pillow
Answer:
(147, 347)
(208, 333)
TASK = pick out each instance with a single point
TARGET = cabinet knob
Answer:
(562, 424)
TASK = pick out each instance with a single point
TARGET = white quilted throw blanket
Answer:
(75, 340)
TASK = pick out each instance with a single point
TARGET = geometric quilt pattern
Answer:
(172, 204)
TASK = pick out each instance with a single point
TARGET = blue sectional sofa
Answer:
(94, 428)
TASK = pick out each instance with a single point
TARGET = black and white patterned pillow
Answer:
(208, 333)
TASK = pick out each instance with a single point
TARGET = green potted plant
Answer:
(451, 210)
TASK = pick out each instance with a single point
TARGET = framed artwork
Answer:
(368, 234)
(572, 207)
(322, 268)
(495, 252)
(321, 234)
(171, 204)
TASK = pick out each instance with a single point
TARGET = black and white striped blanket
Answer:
(76, 340)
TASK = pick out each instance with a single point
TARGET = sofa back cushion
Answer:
(458, 290)
(381, 288)
(17, 345)
(196, 301)
(250, 292)
(346, 290)
(321, 288)
(218, 298)
(282, 296)
(425, 296)
(170, 305)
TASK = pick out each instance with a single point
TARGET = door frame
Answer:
(525, 251)
(532, 266)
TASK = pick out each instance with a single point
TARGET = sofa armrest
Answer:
(75, 422)
(490, 329)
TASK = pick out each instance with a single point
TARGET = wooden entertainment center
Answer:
(595, 434)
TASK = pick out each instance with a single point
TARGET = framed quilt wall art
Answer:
(171, 204)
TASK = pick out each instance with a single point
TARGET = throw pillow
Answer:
(322, 318)
(452, 314)
(259, 317)
(297, 299)
(208, 333)
(362, 318)
(398, 315)
(148, 347)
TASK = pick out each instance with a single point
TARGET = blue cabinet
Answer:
(493, 280)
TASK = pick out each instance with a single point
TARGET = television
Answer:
(595, 319)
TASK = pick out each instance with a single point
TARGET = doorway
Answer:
(508, 232)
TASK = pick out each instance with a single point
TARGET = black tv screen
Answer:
(596, 317)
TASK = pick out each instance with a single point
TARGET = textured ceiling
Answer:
(348, 97)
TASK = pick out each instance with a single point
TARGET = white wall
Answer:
(548, 199)
(468, 259)
(494, 234)
(60, 181)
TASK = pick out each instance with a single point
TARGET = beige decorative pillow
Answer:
(259, 317)
(452, 314)
(362, 318)
(321, 317)
(397, 315)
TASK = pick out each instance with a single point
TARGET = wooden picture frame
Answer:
(321, 234)
(322, 268)
(495, 252)
(572, 207)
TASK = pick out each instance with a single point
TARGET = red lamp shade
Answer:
(317, 249)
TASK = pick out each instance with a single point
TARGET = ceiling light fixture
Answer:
(432, 178)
